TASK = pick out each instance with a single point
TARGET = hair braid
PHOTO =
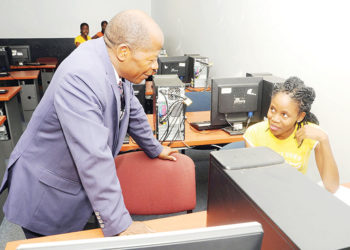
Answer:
(302, 94)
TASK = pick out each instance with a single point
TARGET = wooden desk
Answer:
(194, 137)
(180, 222)
(25, 67)
(46, 70)
(12, 91)
(2, 119)
(30, 95)
(13, 112)
(10, 105)
(21, 75)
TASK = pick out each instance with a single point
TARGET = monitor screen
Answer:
(180, 65)
(139, 92)
(235, 99)
(4, 62)
(246, 236)
(20, 54)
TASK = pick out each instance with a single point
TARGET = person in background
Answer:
(292, 131)
(84, 34)
(102, 32)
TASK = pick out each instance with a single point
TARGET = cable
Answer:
(171, 128)
(178, 130)
(250, 115)
(165, 136)
(170, 110)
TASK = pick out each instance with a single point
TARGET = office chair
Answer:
(154, 186)
(201, 101)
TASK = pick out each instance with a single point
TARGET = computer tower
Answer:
(268, 84)
(139, 92)
(269, 81)
(168, 108)
(200, 71)
(4, 63)
(249, 74)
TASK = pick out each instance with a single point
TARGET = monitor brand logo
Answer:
(238, 100)
(250, 92)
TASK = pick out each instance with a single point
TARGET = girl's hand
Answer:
(309, 132)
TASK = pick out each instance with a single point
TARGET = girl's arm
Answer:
(326, 165)
(323, 154)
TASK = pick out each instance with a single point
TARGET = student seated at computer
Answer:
(84, 34)
(102, 32)
(293, 131)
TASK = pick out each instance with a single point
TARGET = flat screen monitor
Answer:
(234, 100)
(4, 62)
(177, 65)
(139, 92)
(20, 54)
(246, 236)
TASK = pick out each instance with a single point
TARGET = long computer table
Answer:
(193, 137)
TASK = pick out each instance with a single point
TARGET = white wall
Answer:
(59, 18)
(309, 39)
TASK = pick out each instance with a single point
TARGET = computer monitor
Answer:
(20, 54)
(246, 236)
(140, 93)
(4, 63)
(180, 65)
(234, 101)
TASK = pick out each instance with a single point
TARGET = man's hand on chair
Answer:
(166, 154)
(137, 227)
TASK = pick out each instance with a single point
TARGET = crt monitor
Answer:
(20, 54)
(236, 102)
(4, 63)
(246, 236)
(180, 65)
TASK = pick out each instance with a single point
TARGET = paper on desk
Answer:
(343, 193)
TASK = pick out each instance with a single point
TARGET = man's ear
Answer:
(123, 52)
(301, 117)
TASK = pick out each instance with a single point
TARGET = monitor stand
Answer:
(230, 130)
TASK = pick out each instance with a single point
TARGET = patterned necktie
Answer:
(122, 100)
(120, 85)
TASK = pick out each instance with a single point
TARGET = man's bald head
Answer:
(134, 28)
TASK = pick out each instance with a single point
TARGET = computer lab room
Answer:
(157, 124)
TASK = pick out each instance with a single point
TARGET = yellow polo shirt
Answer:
(260, 135)
(80, 39)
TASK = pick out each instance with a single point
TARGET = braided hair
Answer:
(300, 93)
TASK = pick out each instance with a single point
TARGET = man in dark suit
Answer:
(62, 169)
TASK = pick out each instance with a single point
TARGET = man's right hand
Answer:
(137, 227)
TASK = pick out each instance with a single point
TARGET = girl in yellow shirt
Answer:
(292, 131)
(84, 34)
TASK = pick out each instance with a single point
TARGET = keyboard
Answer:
(205, 125)
(33, 64)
